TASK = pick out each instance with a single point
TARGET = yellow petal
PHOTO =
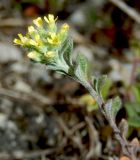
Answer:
(53, 35)
(31, 29)
(32, 42)
(32, 55)
(23, 38)
(65, 27)
(17, 41)
(50, 19)
(38, 39)
(46, 19)
(50, 40)
(38, 22)
(20, 35)
(54, 41)
(54, 38)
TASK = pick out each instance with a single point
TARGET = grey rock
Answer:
(9, 53)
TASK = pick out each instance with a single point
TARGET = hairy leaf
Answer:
(116, 105)
(99, 82)
(65, 51)
(81, 67)
(112, 107)
(105, 88)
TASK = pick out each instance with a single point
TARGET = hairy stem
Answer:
(126, 147)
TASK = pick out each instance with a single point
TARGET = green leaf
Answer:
(133, 112)
(99, 82)
(136, 91)
(112, 107)
(116, 105)
(81, 67)
(65, 51)
(83, 63)
(133, 108)
(105, 88)
(134, 121)
(56, 68)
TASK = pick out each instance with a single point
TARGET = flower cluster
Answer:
(44, 39)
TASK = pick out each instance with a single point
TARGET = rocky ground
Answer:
(42, 114)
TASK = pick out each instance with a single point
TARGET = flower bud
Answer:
(32, 55)
(50, 54)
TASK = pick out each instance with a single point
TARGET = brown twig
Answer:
(133, 72)
(36, 98)
(77, 127)
(69, 134)
(127, 9)
(34, 154)
(33, 97)
(94, 144)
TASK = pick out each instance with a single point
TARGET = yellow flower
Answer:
(50, 54)
(63, 31)
(50, 19)
(32, 55)
(26, 41)
(32, 42)
(54, 39)
(31, 30)
(65, 27)
(51, 22)
(38, 22)
(22, 41)
(38, 39)
(23, 38)
(42, 37)
(17, 41)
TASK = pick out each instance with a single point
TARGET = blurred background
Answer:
(47, 116)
